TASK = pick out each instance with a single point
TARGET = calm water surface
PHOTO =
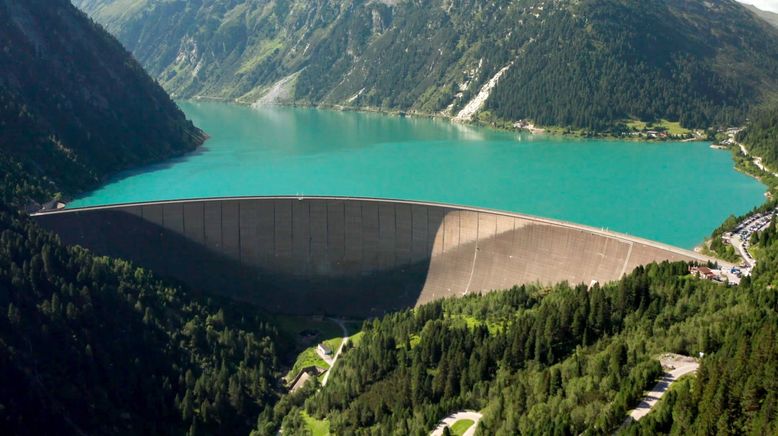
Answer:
(671, 192)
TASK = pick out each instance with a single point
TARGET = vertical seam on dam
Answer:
(310, 235)
(459, 230)
(395, 261)
(475, 250)
(240, 242)
(275, 244)
(626, 259)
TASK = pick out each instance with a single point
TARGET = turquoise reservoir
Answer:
(670, 192)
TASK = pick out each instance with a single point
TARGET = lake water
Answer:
(671, 192)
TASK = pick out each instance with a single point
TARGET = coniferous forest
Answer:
(762, 134)
(91, 345)
(567, 360)
(75, 107)
(589, 64)
(94, 345)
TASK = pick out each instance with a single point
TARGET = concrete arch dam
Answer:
(350, 256)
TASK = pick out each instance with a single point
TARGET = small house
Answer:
(706, 273)
(324, 349)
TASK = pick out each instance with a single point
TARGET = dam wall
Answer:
(350, 256)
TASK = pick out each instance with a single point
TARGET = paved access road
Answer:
(454, 417)
(337, 353)
(676, 366)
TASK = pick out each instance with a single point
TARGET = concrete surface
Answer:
(454, 417)
(351, 256)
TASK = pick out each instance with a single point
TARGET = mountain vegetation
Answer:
(589, 64)
(761, 135)
(74, 105)
(567, 360)
(770, 17)
(92, 345)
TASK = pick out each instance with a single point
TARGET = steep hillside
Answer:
(585, 64)
(91, 345)
(566, 360)
(761, 134)
(770, 17)
(74, 105)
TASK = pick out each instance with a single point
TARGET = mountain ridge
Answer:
(571, 63)
(770, 17)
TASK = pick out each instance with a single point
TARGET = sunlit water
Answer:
(671, 192)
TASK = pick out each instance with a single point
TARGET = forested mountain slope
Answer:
(91, 345)
(761, 134)
(770, 17)
(74, 105)
(586, 64)
(567, 360)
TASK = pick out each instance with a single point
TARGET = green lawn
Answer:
(307, 357)
(672, 127)
(329, 332)
(316, 426)
(334, 343)
(460, 427)
(356, 338)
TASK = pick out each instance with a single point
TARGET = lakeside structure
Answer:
(351, 256)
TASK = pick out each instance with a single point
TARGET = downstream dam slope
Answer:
(350, 256)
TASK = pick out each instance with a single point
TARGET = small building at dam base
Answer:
(350, 256)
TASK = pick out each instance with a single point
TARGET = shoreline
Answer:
(170, 160)
(738, 149)
(536, 130)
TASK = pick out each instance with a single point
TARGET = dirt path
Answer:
(337, 353)
(676, 366)
(454, 417)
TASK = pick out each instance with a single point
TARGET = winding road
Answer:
(676, 366)
(454, 417)
(756, 159)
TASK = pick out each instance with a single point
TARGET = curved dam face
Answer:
(350, 256)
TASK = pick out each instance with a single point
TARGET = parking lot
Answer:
(740, 237)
